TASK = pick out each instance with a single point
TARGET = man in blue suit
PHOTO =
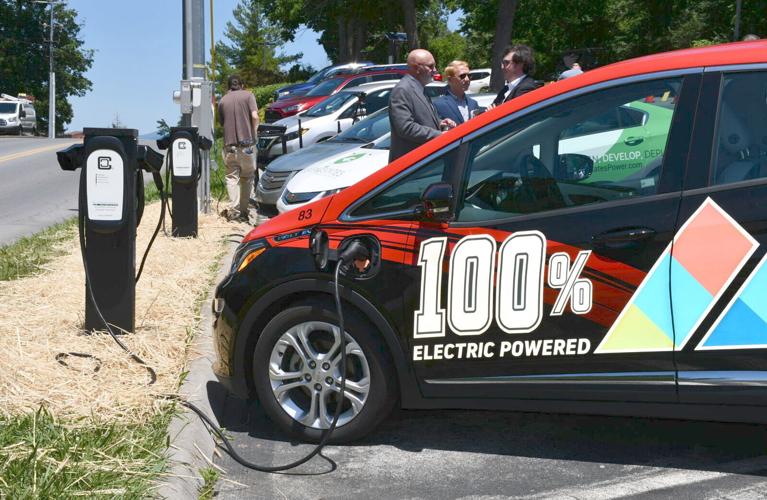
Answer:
(456, 105)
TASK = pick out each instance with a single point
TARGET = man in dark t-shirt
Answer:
(238, 114)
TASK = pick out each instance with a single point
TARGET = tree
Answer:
(116, 123)
(24, 51)
(504, 27)
(252, 52)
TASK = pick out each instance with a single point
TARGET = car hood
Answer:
(284, 103)
(291, 122)
(340, 171)
(298, 160)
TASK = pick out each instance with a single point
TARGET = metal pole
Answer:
(737, 20)
(51, 87)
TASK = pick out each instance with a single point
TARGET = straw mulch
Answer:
(42, 316)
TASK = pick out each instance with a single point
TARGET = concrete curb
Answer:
(191, 445)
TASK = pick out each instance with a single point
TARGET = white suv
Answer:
(17, 116)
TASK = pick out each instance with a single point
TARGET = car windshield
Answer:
(318, 76)
(326, 88)
(331, 104)
(384, 144)
(367, 130)
(8, 107)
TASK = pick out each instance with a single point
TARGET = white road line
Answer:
(649, 481)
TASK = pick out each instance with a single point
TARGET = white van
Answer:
(17, 115)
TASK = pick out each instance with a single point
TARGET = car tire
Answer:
(21, 131)
(301, 399)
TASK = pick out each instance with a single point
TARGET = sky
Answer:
(137, 60)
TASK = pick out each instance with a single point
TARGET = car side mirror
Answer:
(22, 114)
(574, 167)
(436, 201)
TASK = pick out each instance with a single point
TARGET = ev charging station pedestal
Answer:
(111, 201)
(185, 163)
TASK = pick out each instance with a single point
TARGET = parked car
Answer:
(480, 80)
(500, 277)
(272, 181)
(325, 119)
(297, 89)
(332, 175)
(289, 107)
(17, 115)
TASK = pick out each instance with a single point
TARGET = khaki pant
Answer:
(240, 176)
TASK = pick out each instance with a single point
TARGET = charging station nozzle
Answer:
(72, 157)
(204, 143)
(355, 250)
(148, 159)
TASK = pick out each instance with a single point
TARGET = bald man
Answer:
(413, 118)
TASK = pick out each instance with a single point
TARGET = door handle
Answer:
(623, 238)
(633, 141)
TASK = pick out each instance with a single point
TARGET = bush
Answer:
(265, 94)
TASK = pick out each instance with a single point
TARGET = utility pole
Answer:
(51, 76)
(737, 20)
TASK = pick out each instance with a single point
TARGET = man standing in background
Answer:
(517, 64)
(414, 121)
(238, 114)
(456, 105)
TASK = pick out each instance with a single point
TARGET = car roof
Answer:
(478, 70)
(371, 86)
(373, 73)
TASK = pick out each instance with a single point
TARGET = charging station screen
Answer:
(182, 158)
(104, 184)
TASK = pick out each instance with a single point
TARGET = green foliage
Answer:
(45, 458)
(252, 53)
(24, 51)
(448, 48)
(265, 93)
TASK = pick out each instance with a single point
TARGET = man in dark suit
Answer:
(517, 64)
(456, 105)
(413, 118)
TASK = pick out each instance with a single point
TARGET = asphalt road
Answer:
(34, 192)
(488, 455)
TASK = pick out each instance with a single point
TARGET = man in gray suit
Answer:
(413, 118)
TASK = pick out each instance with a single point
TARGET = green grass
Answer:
(41, 458)
(26, 256)
(210, 476)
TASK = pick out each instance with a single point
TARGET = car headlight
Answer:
(291, 136)
(247, 253)
(12, 119)
(291, 198)
(295, 107)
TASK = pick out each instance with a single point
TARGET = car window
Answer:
(739, 151)
(386, 76)
(405, 194)
(7, 107)
(371, 128)
(599, 147)
(357, 81)
(331, 104)
(478, 76)
(377, 99)
(325, 88)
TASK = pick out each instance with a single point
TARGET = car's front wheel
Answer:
(297, 373)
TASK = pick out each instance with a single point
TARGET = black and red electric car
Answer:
(595, 246)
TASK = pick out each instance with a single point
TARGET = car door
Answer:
(719, 276)
(546, 284)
